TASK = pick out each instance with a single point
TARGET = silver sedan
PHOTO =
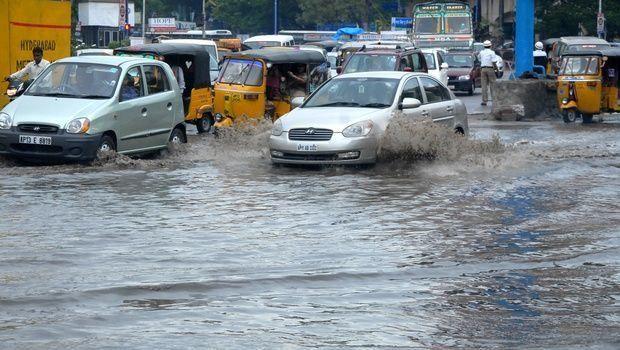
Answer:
(344, 120)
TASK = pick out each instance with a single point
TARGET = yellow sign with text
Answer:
(26, 24)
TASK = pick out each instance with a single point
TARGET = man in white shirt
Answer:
(488, 64)
(540, 56)
(32, 69)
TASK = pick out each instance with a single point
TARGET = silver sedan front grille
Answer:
(310, 134)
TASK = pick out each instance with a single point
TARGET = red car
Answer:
(463, 71)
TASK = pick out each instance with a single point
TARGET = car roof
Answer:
(269, 38)
(110, 60)
(190, 41)
(575, 40)
(380, 74)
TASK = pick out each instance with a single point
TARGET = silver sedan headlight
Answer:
(358, 129)
(5, 121)
(78, 126)
(277, 128)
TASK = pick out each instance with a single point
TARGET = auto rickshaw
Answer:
(588, 84)
(263, 83)
(194, 61)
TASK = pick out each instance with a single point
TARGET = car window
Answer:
(412, 90)
(430, 61)
(156, 79)
(132, 86)
(418, 64)
(434, 91)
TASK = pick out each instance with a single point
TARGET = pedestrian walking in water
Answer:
(488, 63)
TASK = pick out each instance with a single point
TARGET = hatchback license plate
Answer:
(307, 147)
(35, 140)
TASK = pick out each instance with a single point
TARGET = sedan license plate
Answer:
(301, 147)
(35, 140)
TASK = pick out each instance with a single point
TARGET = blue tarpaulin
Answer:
(347, 31)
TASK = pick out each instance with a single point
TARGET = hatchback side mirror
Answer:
(409, 103)
(339, 69)
(444, 66)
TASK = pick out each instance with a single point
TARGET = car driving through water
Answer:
(81, 105)
(344, 120)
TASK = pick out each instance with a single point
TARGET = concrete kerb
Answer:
(522, 99)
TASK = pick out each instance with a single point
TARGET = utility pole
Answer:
(204, 19)
(275, 16)
(600, 21)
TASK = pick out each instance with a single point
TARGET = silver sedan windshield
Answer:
(355, 92)
(76, 80)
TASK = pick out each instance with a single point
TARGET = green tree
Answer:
(562, 17)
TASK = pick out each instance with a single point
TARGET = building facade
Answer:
(102, 21)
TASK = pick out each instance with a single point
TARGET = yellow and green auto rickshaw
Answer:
(588, 84)
(263, 83)
(194, 62)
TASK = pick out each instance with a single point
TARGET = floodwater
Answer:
(510, 240)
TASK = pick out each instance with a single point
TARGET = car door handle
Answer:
(450, 109)
(424, 113)
(169, 106)
(144, 112)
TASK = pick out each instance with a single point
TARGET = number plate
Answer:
(301, 147)
(35, 140)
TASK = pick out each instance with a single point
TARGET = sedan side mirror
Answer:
(409, 103)
(297, 101)
(339, 69)
(444, 66)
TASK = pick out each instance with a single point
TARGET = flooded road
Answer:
(212, 247)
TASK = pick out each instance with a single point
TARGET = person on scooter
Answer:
(32, 69)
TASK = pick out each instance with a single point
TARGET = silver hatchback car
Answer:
(344, 120)
(81, 105)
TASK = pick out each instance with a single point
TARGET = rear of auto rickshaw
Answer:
(264, 83)
(190, 61)
(588, 84)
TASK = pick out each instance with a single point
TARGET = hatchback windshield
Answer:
(355, 92)
(76, 80)
(459, 61)
(579, 65)
(370, 63)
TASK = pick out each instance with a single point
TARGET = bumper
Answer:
(338, 150)
(459, 85)
(75, 147)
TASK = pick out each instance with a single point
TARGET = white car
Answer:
(344, 120)
(437, 66)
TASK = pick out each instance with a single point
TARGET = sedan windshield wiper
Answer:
(56, 94)
(93, 96)
(334, 104)
(375, 105)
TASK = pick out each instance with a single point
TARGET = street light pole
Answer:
(275, 16)
(204, 20)
(601, 33)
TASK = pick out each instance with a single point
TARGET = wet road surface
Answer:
(212, 247)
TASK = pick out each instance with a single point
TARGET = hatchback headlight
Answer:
(277, 128)
(464, 77)
(78, 126)
(5, 121)
(358, 129)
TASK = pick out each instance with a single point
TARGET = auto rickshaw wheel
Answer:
(570, 115)
(203, 124)
(586, 118)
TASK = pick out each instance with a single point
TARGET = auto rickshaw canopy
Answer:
(199, 54)
(281, 55)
